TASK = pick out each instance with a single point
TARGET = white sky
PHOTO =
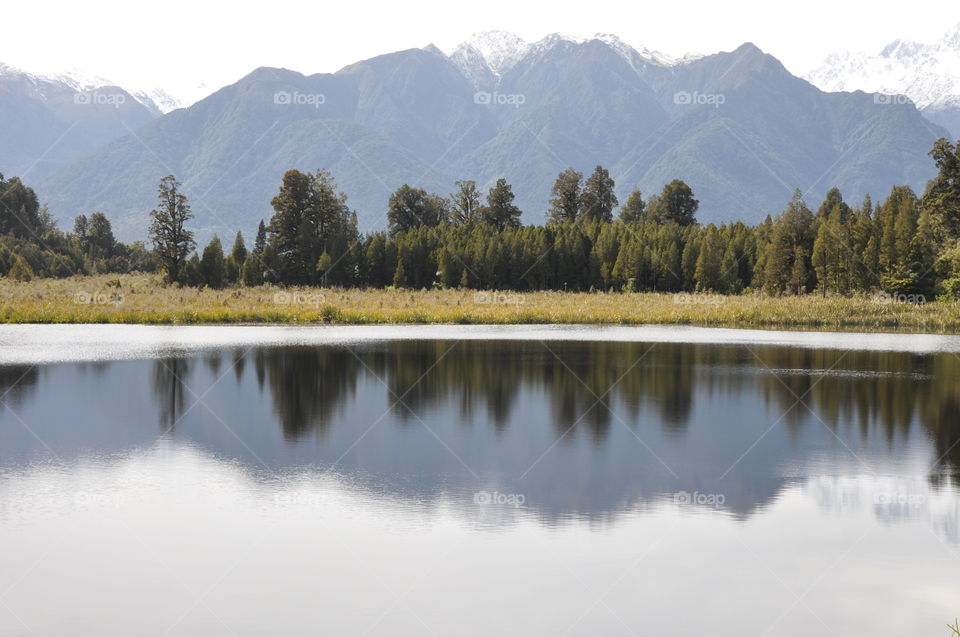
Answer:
(180, 44)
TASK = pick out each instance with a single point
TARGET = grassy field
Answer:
(145, 299)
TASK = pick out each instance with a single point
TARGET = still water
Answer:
(477, 481)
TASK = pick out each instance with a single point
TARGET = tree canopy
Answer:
(903, 245)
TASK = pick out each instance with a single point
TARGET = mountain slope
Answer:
(485, 57)
(231, 149)
(582, 104)
(768, 133)
(49, 122)
(737, 126)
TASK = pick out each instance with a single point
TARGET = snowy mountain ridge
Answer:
(500, 50)
(155, 99)
(485, 56)
(927, 73)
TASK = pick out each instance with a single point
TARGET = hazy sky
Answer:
(181, 44)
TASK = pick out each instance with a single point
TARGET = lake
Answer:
(456, 480)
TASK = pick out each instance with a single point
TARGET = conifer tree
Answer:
(465, 203)
(799, 273)
(500, 212)
(707, 272)
(942, 197)
(310, 216)
(565, 197)
(598, 198)
(239, 250)
(260, 243)
(410, 208)
(171, 239)
(213, 270)
(632, 211)
(675, 203)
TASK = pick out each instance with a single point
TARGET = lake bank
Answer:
(143, 299)
(42, 344)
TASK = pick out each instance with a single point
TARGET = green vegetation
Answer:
(905, 249)
(146, 298)
(171, 239)
(32, 246)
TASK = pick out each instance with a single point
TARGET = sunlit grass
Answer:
(141, 298)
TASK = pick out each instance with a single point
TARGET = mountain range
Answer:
(737, 126)
(926, 73)
(49, 122)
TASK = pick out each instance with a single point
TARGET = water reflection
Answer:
(579, 428)
(588, 385)
(126, 546)
(170, 389)
(17, 382)
(303, 489)
(308, 386)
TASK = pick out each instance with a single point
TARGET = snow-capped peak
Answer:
(73, 80)
(901, 49)
(158, 99)
(155, 99)
(485, 56)
(77, 80)
(950, 39)
(627, 51)
(500, 50)
(7, 71)
(551, 40)
(929, 74)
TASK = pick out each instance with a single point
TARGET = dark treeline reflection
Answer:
(307, 385)
(169, 385)
(590, 386)
(585, 428)
(17, 382)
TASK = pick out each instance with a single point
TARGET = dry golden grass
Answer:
(145, 299)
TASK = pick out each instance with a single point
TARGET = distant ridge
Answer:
(927, 74)
(737, 126)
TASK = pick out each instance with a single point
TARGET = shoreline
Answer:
(139, 299)
(799, 328)
(43, 344)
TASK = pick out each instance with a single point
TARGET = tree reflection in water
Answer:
(592, 385)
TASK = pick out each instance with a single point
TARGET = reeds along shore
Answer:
(140, 298)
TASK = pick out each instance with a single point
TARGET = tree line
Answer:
(907, 244)
(32, 246)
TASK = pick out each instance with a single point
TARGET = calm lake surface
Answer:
(477, 481)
